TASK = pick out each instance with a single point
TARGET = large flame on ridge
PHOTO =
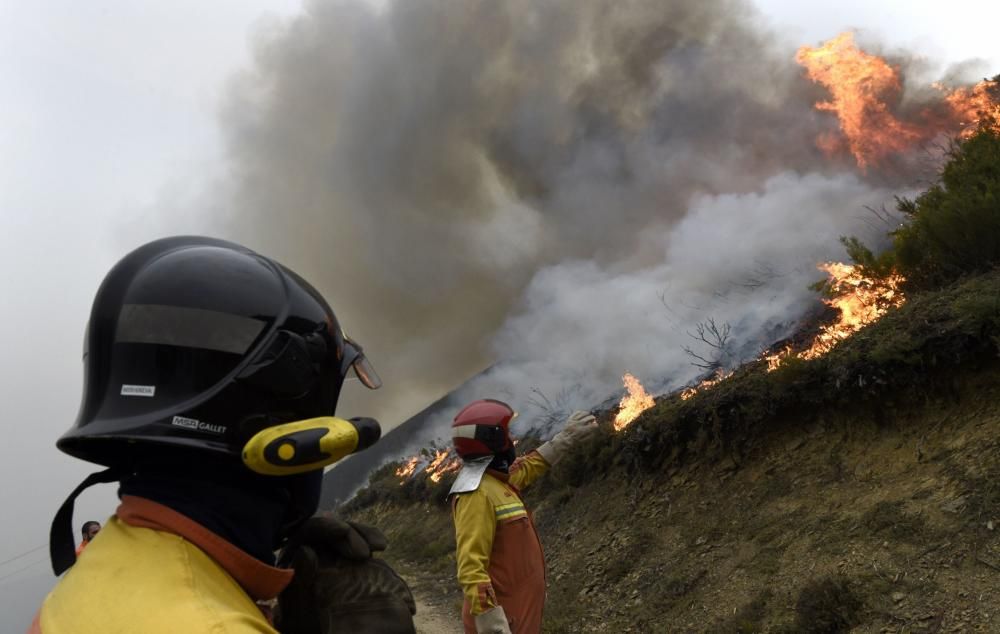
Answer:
(860, 301)
(635, 402)
(861, 87)
(865, 95)
(973, 105)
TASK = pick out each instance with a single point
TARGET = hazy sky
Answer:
(105, 107)
(108, 114)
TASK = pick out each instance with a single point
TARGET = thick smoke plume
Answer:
(563, 189)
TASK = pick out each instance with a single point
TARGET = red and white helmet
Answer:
(482, 428)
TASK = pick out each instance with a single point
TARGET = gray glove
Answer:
(339, 585)
(579, 426)
(492, 621)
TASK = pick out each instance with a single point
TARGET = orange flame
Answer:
(860, 85)
(439, 457)
(443, 463)
(774, 360)
(972, 105)
(407, 469)
(860, 300)
(635, 402)
(864, 92)
(719, 376)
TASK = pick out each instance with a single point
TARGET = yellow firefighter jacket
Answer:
(155, 571)
(499, 556)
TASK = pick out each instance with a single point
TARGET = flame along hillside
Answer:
(708, 505)
(858, 301)
(854, 489)
(842, 482)
(877, 124)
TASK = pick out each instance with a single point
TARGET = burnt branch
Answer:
(711, 334)
(700, 361)
(717, 338)
(761, 275)
(552, 411)
(886, 217)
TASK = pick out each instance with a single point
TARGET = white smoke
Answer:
(742, 260)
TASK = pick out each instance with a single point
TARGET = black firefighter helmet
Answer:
(202, 347)
(201, 343)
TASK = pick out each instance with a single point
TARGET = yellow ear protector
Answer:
(307, 445)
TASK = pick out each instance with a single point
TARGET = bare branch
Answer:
(886, 217)
(711, 333)
(762, 274)
(717, 338)
(552, 411)
(700, 361)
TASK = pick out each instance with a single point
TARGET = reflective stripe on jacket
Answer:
(145, 573)
(499, 556)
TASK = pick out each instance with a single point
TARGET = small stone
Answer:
(728, 465)
(989, 525)
(954, 506)
(898, 596)
(795, 443)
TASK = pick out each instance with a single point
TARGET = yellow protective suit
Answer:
(154, 571)
(499, 555)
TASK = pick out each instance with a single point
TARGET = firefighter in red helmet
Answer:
(500, 563)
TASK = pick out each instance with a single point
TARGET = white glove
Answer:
(579, 426)
(492, 621)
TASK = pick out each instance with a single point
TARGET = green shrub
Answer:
(952, 230)
(954, 227)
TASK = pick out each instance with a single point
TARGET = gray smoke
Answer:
(562, 188)
(740, 261)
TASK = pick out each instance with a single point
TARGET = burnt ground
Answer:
(833, 522)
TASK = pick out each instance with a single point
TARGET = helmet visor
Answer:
(355, 359)
(187, 328)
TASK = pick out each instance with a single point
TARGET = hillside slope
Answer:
(857, 492)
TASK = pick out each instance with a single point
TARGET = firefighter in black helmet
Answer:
(212, 375)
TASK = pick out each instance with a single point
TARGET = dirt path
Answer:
(439, 602)
(435, 618)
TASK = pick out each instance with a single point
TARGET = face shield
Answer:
(355, 359)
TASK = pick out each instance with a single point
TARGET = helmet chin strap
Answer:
(502, 460)
(62, 547)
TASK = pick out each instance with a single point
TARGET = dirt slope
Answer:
(835, 524)
(855, 493)
(833, 527)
